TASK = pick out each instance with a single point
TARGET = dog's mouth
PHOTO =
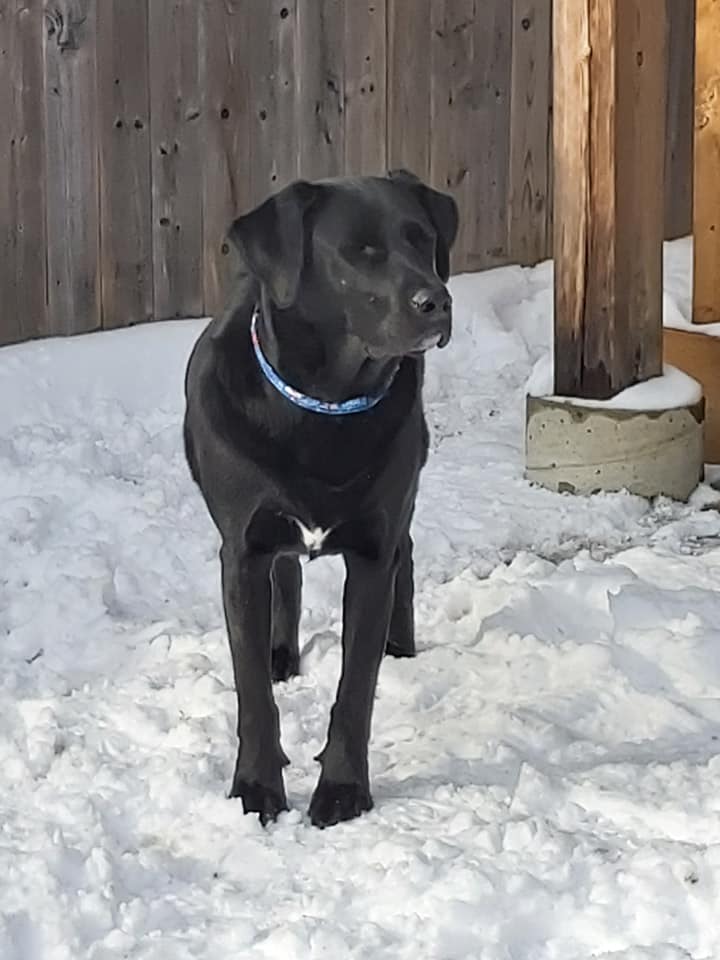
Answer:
(438, 340)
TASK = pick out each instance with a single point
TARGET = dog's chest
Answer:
(313, 537)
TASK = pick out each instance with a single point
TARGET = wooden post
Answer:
(706, 299)
(609, 128)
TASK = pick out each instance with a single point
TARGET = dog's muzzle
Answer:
(433, 308)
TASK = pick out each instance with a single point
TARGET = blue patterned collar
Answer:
(353, 405)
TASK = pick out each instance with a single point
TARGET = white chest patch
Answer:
(312, 538)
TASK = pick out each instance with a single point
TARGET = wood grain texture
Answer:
(550, 161)
(470, 123)
(409, 86)
(610, 76)
(22, 181)
(597, 357)
(71, 166)
(365, 87)
(263, 130)
(243, 96)
(706, 217)
(177, 156)
(640, 182)
(571, 138)
(226, 153)
(124, 153)
(529, 174)
(453, 141)
(679, 136)
(488, 126)
(272, 27)
(321, 88)
(285, 74)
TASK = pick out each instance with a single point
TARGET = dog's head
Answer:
(372, 254)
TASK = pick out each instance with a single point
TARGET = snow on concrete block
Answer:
(672, 390)
(578, 448)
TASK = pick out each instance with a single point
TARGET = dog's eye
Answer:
(372, 253)
(418, 237)
(365, 253)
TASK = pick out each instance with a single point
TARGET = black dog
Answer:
(305, 433)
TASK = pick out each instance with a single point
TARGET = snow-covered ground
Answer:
(546, 773)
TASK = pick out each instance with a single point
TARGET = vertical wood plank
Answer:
(124, 150)
(71, 166)
(22, 193)
(365, 87)
(409, 86)
(263, 125)
(453, 143)
(529, 130)
(285, 73)
(272, 27)
(609, 124)
(550, 151)
(226, 155)
(571, 192)
(706, 226)
(679, 139)
(176, 150)
(470, 123)
(640, 190)
(599, 327)
(488, 122)
(321, 99)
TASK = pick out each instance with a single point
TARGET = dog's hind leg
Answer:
(401, 635)
(286, 594)
(258, 779)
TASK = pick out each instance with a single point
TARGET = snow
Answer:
(672, 390)
(677, 300)
(546, 773)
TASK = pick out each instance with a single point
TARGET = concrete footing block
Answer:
(577, 449)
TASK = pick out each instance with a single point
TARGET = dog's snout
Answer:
(429, 302)
(432, 309)
(432, 306)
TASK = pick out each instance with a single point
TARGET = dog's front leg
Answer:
(343, 791)
(247, 597)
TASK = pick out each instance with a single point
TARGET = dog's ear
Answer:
(443, 213)
(270, 240)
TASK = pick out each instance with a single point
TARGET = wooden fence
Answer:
(132, 131)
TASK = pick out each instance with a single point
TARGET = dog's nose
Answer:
(432, 306)
(431, 303)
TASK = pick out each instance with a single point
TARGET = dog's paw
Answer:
(285, 664)
(256, 798)
(334, 802)
(400, 649)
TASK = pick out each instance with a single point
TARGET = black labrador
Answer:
(305, 432)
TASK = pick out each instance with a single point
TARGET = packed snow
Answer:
(546, 772)
(677, 311)
(670, 391)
